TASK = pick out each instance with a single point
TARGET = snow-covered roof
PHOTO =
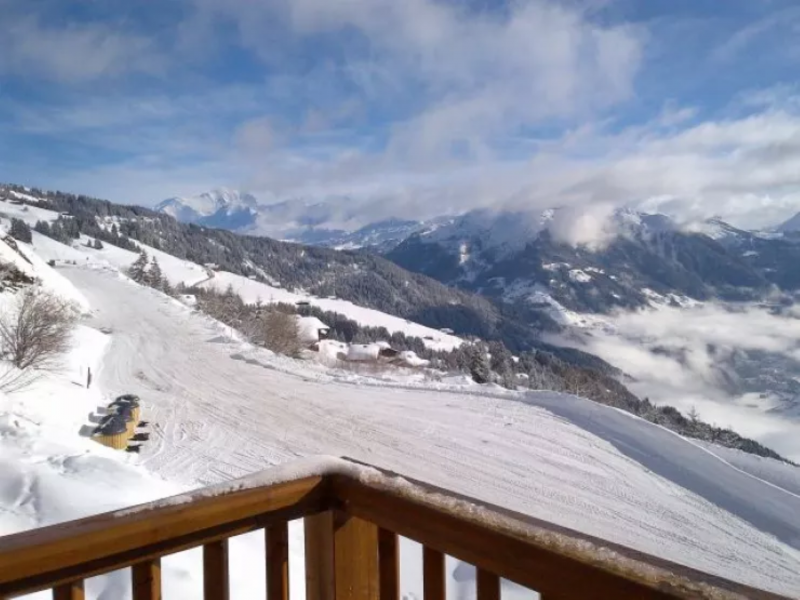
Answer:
(412, 360)
(363, 352)
(309, 328)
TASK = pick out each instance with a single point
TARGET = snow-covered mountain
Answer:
(621, 260)
(226, 209)
(332, 222)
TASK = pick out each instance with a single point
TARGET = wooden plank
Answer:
(146, 577)
(69, 591)
(488, 585)
(434, 586)
(277, 554)
(522, 550)
(320, 584)
(355, 558)
(215, 571)
(47, 557)
(388, 565)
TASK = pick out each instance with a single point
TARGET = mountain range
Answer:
(524, 257)
(519, 275)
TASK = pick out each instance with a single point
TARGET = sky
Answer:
(419, 107)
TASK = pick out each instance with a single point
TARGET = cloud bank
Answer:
(738, 368)
(409, 108)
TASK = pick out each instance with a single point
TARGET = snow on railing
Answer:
(353, 516)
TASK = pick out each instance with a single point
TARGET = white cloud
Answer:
(589, 226)
(256, 136)
(702, 357)
(74, 53)
(473, 75)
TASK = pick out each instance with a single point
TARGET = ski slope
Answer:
(219, 413)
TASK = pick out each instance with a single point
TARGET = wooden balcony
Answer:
(353, 515)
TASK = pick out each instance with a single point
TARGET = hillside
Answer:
(358, 277)
(220, 409)
(643, 256)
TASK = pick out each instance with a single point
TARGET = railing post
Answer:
(147, 580)
(277, 553)
(319, 556)
(488, 585)
(69, 591)
(356, 557)
(388, 565)
(215, 571)
(341, 557)
(434, 586)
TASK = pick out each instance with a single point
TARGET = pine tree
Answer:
(154, 277)
(21, 231)
(479, 364)
(98, 245)
(138, 270)
(42, 227)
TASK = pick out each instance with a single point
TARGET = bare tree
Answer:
(37, 331)
(279, 332)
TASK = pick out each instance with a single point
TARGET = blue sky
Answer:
(432, 105)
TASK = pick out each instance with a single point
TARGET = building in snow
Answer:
(363, 353)
(311, 330)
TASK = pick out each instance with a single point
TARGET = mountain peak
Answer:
(220, 207)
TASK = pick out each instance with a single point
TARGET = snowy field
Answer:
(221, 410)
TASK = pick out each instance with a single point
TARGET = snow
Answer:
(579, 276)
(176, 270)
(220, 411)
(308, 329)
(255, 291)
(36, 267)
(554, 457)
(363, 352)
(412, 360)
(25, 212)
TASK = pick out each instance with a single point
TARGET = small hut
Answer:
(112, 432)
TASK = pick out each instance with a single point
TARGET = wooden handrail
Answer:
(50, 556)
(353, 516)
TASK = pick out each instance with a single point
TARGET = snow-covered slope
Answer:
(220, 409)
(254, 291)
(220, 413)
(176, 270)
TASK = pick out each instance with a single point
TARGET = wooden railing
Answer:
(353, 516)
